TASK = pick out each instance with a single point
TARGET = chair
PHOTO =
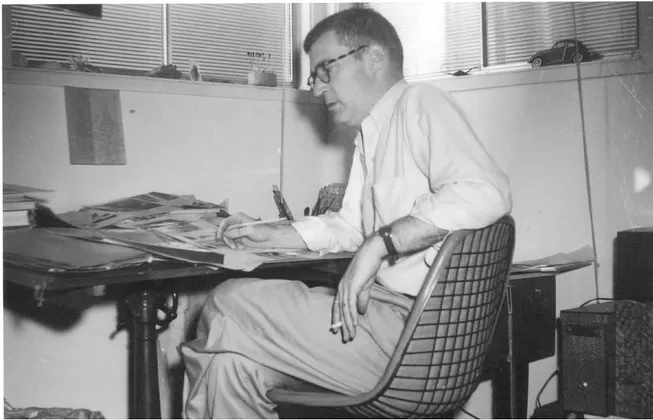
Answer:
(439, 357)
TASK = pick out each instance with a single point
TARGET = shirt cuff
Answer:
(314, 232)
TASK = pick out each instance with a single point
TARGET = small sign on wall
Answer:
(95, 132)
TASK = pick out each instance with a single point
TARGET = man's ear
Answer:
(377, 59)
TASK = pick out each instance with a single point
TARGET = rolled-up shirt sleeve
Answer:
(341, 230)
(467, 189)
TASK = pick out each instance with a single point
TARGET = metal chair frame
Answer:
(438, 360)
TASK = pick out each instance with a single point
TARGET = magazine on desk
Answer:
(169, 226)
(144, 209)
(200, 247)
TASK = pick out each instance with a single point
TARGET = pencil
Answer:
(258, 222)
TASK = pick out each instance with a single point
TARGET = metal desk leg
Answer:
(510, 383)
(143, 306)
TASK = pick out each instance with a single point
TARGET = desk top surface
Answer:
(164, 270)
(83, 263)
(157, 270)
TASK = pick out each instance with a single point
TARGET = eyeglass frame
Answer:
(327, 71)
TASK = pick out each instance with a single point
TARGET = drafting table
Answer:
(531, 328)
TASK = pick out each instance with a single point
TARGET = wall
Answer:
(534, 130)
(213, 138)
(182, 137)
(217, 142)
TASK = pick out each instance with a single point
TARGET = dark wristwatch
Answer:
(385, 233)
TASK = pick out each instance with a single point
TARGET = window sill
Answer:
(474, 81)
(62, 78)
(548, 74)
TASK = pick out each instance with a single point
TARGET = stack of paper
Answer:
(556, 263)
(17, 202)
(206, 251)
(51, 250)
(134, 230)
(144, 210)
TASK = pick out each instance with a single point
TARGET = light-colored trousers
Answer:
(257, 334)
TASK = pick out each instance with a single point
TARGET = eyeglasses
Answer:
(323, 71)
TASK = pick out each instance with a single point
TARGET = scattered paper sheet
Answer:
(45, 250)
(206, 251)
(556, 262)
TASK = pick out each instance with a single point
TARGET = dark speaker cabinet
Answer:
(633, 265)
(607, 359)
(588, 359)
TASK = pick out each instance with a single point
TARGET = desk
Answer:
(149, 289)
(526, 328)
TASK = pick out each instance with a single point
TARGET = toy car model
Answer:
(563, 51)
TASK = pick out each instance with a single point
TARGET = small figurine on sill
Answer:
(194, 71)
(167, 71)
(81, 63)
(260, 74)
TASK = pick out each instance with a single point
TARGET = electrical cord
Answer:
(586, 157)
(595, 300)
(468, 413)
(284, 55)
(537, 399)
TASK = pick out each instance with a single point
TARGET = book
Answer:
(14, 190)
(19, 205)
(15, 218)
(19, 198)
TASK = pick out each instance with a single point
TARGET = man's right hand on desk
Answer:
(241, 231)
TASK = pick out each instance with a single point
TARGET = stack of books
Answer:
(17, 203)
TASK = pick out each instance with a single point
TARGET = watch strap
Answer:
(385, 232)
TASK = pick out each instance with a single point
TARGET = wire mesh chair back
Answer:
(439, 358)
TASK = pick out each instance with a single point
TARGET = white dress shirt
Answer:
(416, 155)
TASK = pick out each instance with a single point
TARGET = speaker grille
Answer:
(634, 356)
(588, 357)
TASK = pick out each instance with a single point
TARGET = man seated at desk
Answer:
(418, 172)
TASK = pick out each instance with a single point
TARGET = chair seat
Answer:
(439, 356)
(316, 396)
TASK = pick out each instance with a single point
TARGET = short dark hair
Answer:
(358, 26)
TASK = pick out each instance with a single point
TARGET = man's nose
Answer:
(319, 87)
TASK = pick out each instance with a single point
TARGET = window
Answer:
(517, 30)
(220, 36)
(126, 37)
(446, 37)
(225, 40)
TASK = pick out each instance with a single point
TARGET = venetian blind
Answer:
(437, 37)
(516, 30)
(219, 37)
(128, 36)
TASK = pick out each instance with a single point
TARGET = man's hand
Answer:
(236, 236)
(353, 292)
(265, 235)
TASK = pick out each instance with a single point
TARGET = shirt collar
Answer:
(382, 110)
